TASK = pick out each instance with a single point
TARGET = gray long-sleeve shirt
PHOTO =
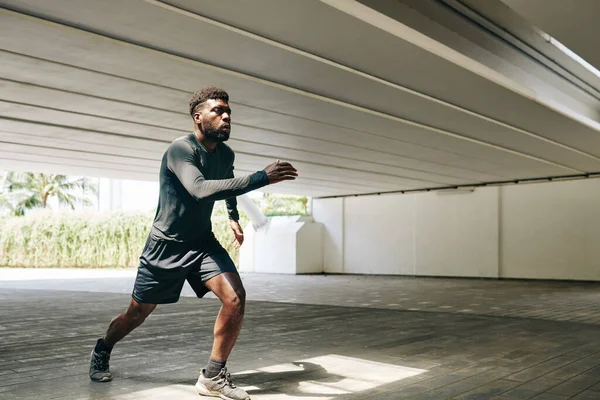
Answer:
(191, 180)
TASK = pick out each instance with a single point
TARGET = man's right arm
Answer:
(180, 160)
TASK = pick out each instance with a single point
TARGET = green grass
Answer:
(44, 239)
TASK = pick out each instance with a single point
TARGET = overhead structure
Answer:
(572, 24)
(361, 96)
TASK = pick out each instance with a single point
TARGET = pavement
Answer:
(308, 337)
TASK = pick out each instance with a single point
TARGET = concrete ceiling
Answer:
(574, 23)
(363, 97)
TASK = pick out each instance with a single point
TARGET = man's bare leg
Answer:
(229, 289)
(127, 321)
(119, 327)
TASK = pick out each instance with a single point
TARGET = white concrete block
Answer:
(285, 245)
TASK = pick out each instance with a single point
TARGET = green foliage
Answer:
(220, 225)
(6, 207)
(24, 191)
(74, 239)
(87, 239)
(43, 238)
(275, 205)
(5, 204)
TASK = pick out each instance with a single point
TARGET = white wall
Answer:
(551, 230)
(542, 231)
(457, 234)
(379, 235)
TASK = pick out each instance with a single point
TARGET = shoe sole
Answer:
(203, 391)
(103, 379)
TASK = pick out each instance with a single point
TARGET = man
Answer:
(196, 170)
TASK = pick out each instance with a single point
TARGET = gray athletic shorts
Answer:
(165, 265)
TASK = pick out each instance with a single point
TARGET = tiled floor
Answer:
(557, 301)
(313, 337)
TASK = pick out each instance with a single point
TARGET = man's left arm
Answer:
(234, 217)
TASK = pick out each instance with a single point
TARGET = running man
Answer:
(196, 171)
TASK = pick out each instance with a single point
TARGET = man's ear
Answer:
(197, 118)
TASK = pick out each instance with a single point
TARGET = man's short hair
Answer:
(202, 95)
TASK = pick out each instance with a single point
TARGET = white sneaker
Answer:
(220, 386)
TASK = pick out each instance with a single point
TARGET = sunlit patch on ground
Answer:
(320, 378)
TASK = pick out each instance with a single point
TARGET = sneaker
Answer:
(220, 386)
(99, 366)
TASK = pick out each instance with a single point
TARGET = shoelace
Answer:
(225, 380)
(101, 362)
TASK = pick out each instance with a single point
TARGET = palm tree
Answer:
(29, 190)
(5, 204)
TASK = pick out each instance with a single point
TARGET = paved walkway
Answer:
(309, 337)
(557, 301)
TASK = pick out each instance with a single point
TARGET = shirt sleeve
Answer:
(231, 202)
(180, 161)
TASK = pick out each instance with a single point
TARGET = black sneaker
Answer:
(99, 371)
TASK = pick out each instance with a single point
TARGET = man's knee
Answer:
(138, 312)
(236, 299)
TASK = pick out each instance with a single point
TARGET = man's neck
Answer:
(209, 144)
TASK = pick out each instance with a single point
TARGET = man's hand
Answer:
(280, 171)
(237, 233)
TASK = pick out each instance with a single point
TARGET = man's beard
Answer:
(218, 135)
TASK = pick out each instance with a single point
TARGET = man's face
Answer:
(214, 120)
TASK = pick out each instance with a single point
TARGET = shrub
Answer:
(87, 239)
(44, 238)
